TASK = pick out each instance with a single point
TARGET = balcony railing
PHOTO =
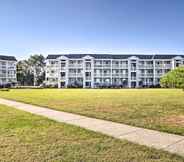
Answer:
(123, 66)
(120, 75)
(159, 74)
(2, 67)
(120, 66)
(133, 78)
(97, 74)
(123, 75)
(2, 76)
(145, 66)
(146, 75)
(163, 66)
(102, 75)
(75, 66)
(63, 77)
(88, 78)
(75, 75)
(106, 75)
(88, 67)
(107, 66)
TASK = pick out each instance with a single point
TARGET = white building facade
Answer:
(104, 70)
(7, 70)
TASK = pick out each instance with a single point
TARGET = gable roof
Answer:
(114, 56)
(8, 58)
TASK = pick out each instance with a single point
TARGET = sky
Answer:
(91, 26)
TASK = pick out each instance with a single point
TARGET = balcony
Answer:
(75, 75)
(88, 67)
(123, 66)
(75, 66)
(11, 68)
(2, 67)
(158, 75)
(120, 75)
(107, 75)
(133, 68)
(133, 78)
(120, 66)
(2, 75)
(123, 75)
(115, 75)
(98, 66)
(63, 78)
(107, 66)
(97, 74)
(163, 66)
(145, 66)
(88, 77)
(146, 75)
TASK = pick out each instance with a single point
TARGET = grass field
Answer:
(26, 137)
(159, 109)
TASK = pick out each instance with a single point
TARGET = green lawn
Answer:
(159, 109)
(26, 137)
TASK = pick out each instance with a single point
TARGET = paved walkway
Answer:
(159, 140)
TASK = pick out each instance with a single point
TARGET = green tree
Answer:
(173, 79)
(37, 64)
(31, 71)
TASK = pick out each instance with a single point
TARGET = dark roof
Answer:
(9, 58)
(114, 56)
(166, 56)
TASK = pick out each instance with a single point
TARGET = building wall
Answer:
(89, 72)
(7, 72)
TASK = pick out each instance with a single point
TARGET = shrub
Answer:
(173, 79)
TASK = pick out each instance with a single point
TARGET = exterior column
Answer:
(154, 73)
(129, 74)
(137, 73)
(173, 64)
(59, 74)
(92, 73)
(84, 74)
(66, 74)
(111, 73)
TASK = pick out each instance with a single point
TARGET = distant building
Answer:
(7, 70)
(104, 70)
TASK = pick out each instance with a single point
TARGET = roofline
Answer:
(7, 58)
(115, 55)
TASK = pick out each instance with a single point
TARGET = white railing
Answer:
(88, 68)
(119, 66)
(145, 66)
(146, 75)
(75, 75)
(163, 66)
(123, 67)
(133, 78)
(88, 78)
(159, 74)
(75, 66)
(107, 66)
(121, 75)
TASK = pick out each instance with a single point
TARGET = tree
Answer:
(37, 64)
(173, 79)
(31, 71)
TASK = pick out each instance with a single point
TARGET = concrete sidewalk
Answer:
(159, 140)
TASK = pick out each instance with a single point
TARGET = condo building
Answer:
(105, 70)
(7, 70)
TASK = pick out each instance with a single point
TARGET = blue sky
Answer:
(91, 26)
